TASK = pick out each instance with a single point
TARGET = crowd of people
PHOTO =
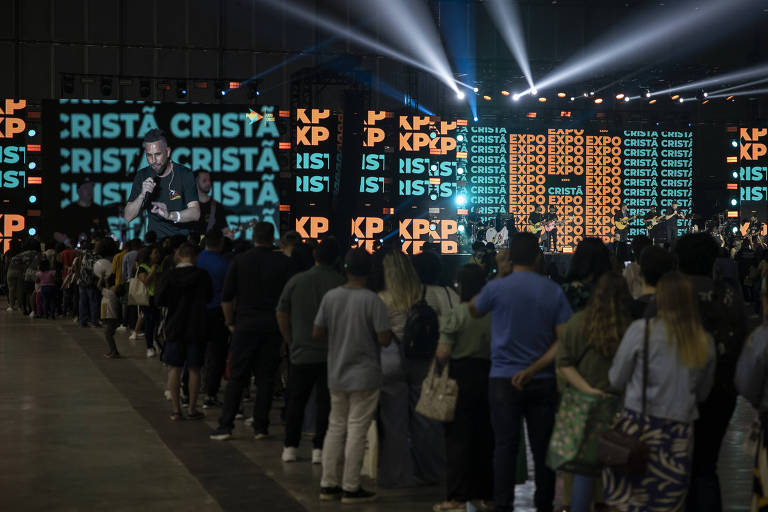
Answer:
(653, 345)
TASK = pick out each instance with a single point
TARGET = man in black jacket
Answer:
(185, 290)
(253, 285)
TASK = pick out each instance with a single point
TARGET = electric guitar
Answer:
(655, 221)
(548, 225)
(623, 223)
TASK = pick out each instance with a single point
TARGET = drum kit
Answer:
(486, 232)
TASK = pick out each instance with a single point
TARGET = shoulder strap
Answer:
(645, 362)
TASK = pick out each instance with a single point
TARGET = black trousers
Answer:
(217, 336)
(709, 430)
(301, 379)
(258, 352)
(469, 437)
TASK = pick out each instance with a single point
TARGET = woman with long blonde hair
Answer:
(680, 373)
(402, 289)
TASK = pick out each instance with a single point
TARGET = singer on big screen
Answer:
(166, 188)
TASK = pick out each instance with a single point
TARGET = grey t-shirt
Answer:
(353, 317)
(301, 298)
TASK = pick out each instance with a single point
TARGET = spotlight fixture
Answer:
(542, 99)
(459, 138)
(735, 175)
(534, 92)
(144, 88)
(106, 86)
(220, 89)
(573, 98)
(487, 98)
(626, 99)
(586, 95)
(461, 200)
(675, 97)
(461, 228)
(647, 93)
(734, 143)
(729, 98)
(432, 226)
(652, 101)
(620, 96)
(253, 90)
(591, 93)
(705, 94)
(460, 95)
(181, 89)
(476, 89)
(505, 93)
(681, 100)
(598, 100)
(460, 170)
(734, 201)
(515, 97)
(561, 95)
(474, 119)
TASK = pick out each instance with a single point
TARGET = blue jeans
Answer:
(90, 300)
(537, 403)
(581, 493)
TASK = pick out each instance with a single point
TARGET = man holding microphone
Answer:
(167, 187)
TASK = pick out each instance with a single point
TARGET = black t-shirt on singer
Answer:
(176, 190)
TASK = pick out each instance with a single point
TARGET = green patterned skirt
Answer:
(663, 488)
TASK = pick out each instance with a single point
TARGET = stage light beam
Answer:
(508, 22)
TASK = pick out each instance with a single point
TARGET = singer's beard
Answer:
(160, 170)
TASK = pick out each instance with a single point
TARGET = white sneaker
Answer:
(289, 454)
(151, 353)
(9, 309)
(168, 394)
(132, 337)
(317, 456)
(32, 315)
(121, 328)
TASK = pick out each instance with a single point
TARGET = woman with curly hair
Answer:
(584, 355)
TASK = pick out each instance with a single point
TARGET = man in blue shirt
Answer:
(217, 333)
(527, 311)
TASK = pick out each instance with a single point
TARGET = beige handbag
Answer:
(438, 395)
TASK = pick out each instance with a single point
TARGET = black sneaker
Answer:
(358, 496)
(220, 434)
(211, 402)
(330, 493)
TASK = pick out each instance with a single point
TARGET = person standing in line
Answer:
(184, 290)
(254, 281)
(632, 271)
(584, 355)
(86, 282)
(465, 344)
(680, 373)
(110, 314)
(296, 312)
(150, 273)
(353, 320)
(47, 279)
(528, 312)
(216, 332)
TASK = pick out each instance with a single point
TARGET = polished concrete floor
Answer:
(82, 433)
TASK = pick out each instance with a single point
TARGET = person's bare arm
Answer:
(319, 333)
(473, 310)
(190, 214)
(284, 324)
(132, 208)
(228, 308)
(384, 338)
(573, 376)
(521, 378)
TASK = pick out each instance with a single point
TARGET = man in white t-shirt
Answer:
(355, 323)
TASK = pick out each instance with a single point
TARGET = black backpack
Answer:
(422, 330)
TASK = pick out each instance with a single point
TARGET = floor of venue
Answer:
(81, 432)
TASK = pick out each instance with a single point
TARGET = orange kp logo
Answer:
(750, 149)
(367, 230)
(11, 223)
(11, 126)
(310, 134)
(412, 239)
(315, 225)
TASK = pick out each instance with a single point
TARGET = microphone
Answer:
(148, 198)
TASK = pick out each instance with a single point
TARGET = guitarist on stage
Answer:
(653, 231)
(538, 217)
(670, 225)
(623, 213)
(551, 218)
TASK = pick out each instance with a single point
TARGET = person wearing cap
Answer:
(82, 218)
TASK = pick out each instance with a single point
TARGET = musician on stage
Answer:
(166, 188)
(212, 213)
(653, 231)
(670, 225)
(535, 218)
(621, 234)
(551, 218)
